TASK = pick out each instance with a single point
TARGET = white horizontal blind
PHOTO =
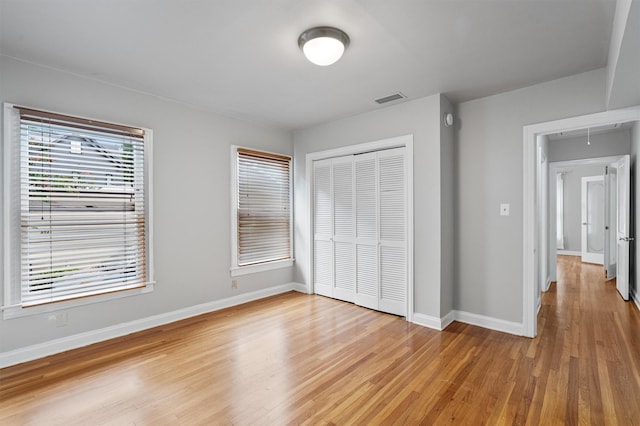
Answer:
(264, 207)
(82, 207)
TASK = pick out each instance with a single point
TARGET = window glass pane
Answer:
(264, 207)
(82, 213)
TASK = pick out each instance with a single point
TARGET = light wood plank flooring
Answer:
(300, 359)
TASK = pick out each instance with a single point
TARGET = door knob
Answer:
(585, 223)
(626, 239)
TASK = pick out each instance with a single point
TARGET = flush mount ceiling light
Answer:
(323, 45)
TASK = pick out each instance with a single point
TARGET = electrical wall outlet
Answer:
(234, 283)
(59, 318)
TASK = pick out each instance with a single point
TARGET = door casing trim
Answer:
(529, 188)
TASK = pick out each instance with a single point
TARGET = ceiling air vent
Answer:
(390, 98)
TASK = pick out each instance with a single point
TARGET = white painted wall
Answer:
(602, 145)
(422, 118)
(191, 190)
(489, 172)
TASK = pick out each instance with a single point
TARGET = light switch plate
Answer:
(504, 209)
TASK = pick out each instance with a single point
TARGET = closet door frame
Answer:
(397, 142)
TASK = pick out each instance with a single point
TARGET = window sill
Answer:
(17, 311)
(261, 267)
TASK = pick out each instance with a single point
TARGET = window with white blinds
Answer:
(83, 207)
(262, 208)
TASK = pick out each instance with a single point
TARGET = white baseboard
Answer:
(302, 288)
(491, 323)
(63, 344)
(636, 298)
(433, 322)
(427, 321)
(448, 319)
(468, 318)
(548, 284)
(569, 253)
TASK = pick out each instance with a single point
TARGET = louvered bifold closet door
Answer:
(343, 229)
(392, 228)
(322, 229)
(366, 230)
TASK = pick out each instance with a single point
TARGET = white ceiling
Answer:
(240, 57)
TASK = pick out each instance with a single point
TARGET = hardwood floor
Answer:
(300, 359)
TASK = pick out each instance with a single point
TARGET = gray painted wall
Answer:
(484, 258)
(623, 77)
(191, 197)
(602, 145)
(489, 168)
(447, 209)
(422, 118)
(573, 205)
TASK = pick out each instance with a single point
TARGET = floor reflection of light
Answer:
(70, 404)
(262, 356)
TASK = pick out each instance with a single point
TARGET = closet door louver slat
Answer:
(367, 282)
(323, 228)
(343, 232)
(393, 213)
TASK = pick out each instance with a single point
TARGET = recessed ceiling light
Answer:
(323, 45)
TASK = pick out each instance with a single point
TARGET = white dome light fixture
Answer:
(323, 45)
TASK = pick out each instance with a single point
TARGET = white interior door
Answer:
(544, 225)
(611, 221)
(322, 228)
(593, 219)
(623, 228)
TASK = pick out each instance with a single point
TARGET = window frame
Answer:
(237, 270)
(12, 283)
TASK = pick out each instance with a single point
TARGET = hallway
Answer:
(593, 371)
